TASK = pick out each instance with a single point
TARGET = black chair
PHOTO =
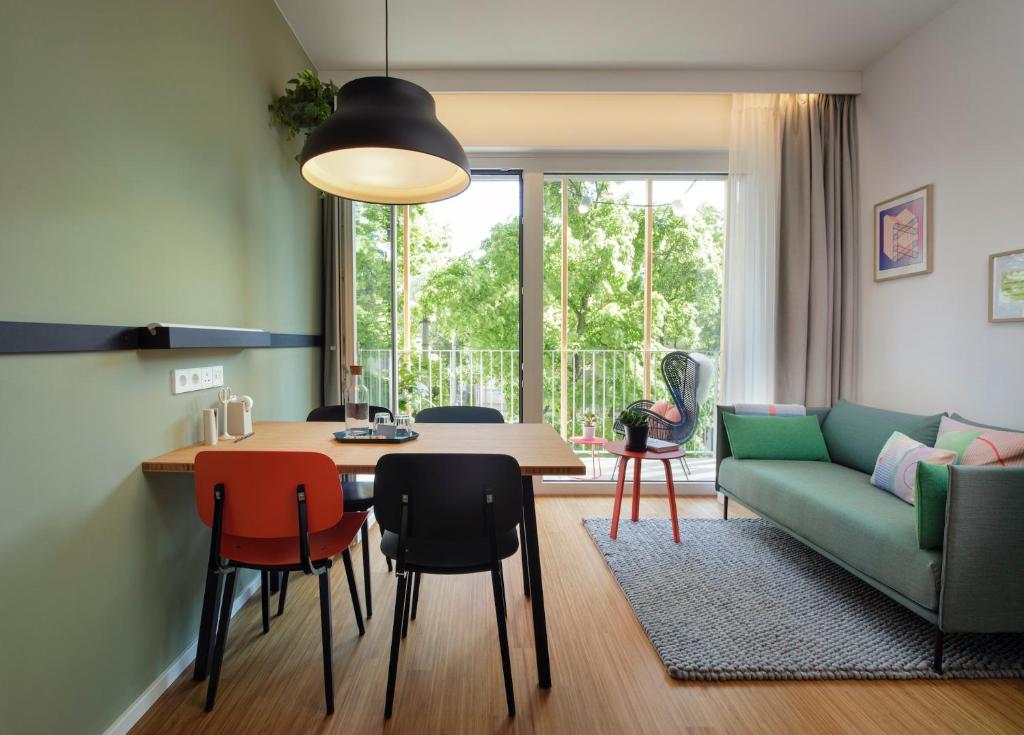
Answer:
(468, 415)
(460, 415)
(358, 497)
(448, 514)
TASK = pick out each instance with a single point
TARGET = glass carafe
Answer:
(357, 404)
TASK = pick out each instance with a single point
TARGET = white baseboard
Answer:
(148, 698)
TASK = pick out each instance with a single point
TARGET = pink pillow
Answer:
(673, 415)
(661, 407)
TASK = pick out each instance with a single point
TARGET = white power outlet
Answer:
(186, 380)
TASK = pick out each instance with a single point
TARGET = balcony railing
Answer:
(602, 382)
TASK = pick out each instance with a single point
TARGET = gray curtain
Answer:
(333, 274)
(816, 320)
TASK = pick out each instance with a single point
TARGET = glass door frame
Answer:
(531, 168)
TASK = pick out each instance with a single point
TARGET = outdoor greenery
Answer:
(472, 301)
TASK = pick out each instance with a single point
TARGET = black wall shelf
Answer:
(44, 337)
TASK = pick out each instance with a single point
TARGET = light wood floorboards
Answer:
(607, 677)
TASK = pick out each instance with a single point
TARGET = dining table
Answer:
(538, 448)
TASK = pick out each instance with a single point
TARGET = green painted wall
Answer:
(139, 181)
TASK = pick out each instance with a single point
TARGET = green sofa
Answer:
(975, 583)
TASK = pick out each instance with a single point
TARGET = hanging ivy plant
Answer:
(305, 104)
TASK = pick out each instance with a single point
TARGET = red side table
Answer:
(665, 458)
(593, 444)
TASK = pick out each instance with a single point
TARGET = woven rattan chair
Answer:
(681, 374)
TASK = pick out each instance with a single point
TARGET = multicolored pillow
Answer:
(978, 445)
(896, 468)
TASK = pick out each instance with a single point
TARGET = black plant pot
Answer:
(636, 438)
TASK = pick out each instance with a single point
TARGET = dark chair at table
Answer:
(467, 415)
(358, 496)
(274, 512)
(460, 415)
(448, 514)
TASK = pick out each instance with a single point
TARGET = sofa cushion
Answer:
(896, 470)
(839, 511)
(855, 434)
(775, 437)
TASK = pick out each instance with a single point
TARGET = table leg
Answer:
(671, 499)
(596, 473)
(617, 509)
(636, 489)
(540, 626)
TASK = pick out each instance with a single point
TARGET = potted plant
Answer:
(636, 430)
(306, 103)
(589, 419)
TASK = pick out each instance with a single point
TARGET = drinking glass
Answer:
(403, 426)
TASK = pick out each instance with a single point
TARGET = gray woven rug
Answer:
(740, 599)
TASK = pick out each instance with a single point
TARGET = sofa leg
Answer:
(725, 508)
(937, 661)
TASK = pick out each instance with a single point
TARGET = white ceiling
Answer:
(820, 35)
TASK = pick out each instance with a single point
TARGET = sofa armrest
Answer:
(722, 447)
(983, 553)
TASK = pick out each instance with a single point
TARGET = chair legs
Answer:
(525, 559)
(346, 557)
(415, 595)
(325, 632)
(366, 569)
(227, 600)
(407, 606)
(500, 615)
(396, 640)
(282, 593)
(265, 599)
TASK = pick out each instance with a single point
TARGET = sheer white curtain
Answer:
(751, 251)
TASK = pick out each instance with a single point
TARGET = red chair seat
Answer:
(274, 552)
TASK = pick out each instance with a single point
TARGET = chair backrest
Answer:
(447, 494)
(260, 491)
(460, 415)
(337, 413)
(680, 372)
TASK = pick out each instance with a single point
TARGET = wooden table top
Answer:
(537, 447)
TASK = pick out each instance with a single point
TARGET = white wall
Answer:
(946, 107)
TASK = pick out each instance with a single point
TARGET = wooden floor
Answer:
(607, 677)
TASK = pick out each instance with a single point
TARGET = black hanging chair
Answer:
(680, 372)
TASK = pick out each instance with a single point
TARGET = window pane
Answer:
(604, 359)
(372, 244)
(462, 303)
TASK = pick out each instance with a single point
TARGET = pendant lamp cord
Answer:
(387, 67)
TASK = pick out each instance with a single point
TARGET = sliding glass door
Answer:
(438, 298)
(632, 271)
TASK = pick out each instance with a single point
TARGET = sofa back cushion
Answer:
(855, 434)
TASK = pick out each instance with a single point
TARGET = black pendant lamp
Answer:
(385, 145)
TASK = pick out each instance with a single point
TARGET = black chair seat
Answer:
(358, 494)
(433, 556)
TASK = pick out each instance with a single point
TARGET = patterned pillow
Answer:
(896, 468)
(978, 445)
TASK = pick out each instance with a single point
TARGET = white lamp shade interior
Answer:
(385, 175)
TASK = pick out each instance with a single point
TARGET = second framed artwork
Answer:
(903, 235)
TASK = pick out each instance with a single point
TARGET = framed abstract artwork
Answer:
(1006, 286)
(903, 235)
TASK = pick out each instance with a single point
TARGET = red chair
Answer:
(273, 512)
